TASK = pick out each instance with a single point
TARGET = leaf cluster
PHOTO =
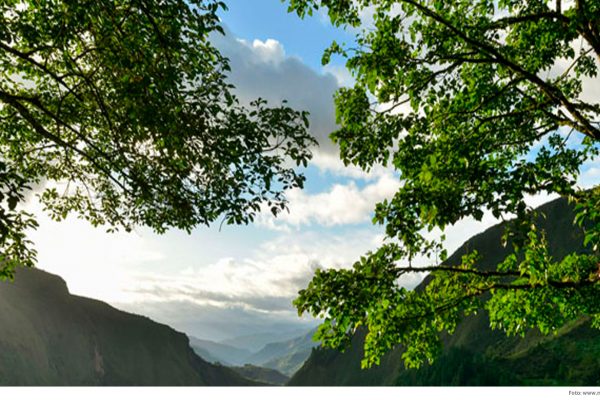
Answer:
(477, 105)
(122, 108)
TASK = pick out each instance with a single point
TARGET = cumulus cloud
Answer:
(262, 69)
(331, 163)
(342, 204)
(267, 52)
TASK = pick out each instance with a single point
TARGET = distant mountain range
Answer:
(256, 341)
(285, 356)
(474, 354)
(50, 337)
(219, 352)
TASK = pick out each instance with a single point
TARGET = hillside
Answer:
(219, 352)
(287, 356)
(50, 337)
(476, 355)
(267, 376)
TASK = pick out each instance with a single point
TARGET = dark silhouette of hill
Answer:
(474, 354)
(264, 375)
(50, 337)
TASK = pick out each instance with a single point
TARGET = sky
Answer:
(222, 283)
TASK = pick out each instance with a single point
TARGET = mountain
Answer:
(264, 375)
(287, 356)
(474, 354)
(52, 338)
(219, 352)
(256, 341)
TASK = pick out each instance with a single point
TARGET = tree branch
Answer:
(552, 92)
(26, 114)
(402, 270)
(25, 57)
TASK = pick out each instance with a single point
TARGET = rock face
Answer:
(50, 337)
(474, 354)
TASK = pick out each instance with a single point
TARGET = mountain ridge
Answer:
(474, 354)
(51, 337)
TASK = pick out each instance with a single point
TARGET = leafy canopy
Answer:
(477, 104)
(122, 110)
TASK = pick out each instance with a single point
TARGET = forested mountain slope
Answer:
(476, 355)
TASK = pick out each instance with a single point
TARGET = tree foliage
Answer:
(122, 109)
(477, 104)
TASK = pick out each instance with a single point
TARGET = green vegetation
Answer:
(475, 354)
(487, 359)
(261, 374)
(122, 111)
(477, 104)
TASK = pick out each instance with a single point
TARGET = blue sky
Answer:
(265, 19)
(240, 280)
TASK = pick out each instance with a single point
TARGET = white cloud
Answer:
(342, 204)
(267, 52)
(342, 75)
(265, 280)
(589, 174)
(261, 69)
(331, 163)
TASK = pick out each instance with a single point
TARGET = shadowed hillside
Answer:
(476, 355)
(50, 337)
(264, 375)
